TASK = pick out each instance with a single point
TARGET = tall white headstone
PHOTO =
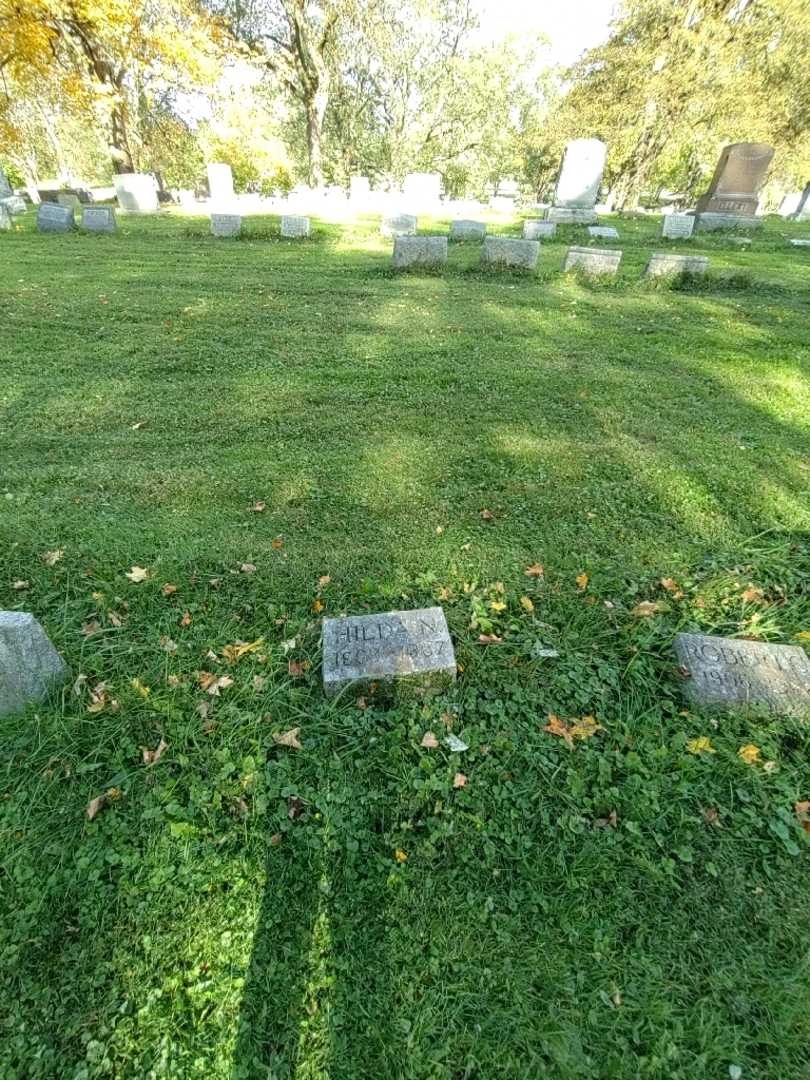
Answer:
(137, 193)
(422, 191)
(581, 174)
(220, 181)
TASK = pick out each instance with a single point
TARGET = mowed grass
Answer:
(240, 909)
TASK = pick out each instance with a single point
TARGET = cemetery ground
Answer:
(209, 444)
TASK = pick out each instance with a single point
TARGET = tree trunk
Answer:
(119, 144)
(316, 110)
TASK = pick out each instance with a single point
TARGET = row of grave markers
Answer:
(414, 648)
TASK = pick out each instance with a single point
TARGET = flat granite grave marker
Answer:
(731, 672)
(29, 664)
(292, 225)
(467, 230)
(606, 232)
(677, 226)
(99, 219)
(504, 252)
(413, 646)
(226, 224)
(592, 260)
(799, 243)
(539, 230)
(54, 218)
(419, 251)
(398, 225)
(664, 264)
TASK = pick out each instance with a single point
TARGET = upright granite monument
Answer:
(579, 182)
(733, 194)
(29, 664)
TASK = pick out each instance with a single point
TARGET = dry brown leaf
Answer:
(459, 780)
(247, 568)
(289, 739)
(51, 558)
(711, 816)
(204, 708)
(91, 628)
(18, 586)
(167, 644)
(317, 606)
(585, 728)
(259, 506)
(297, 668)
(212, 684)
(535, 570)
(140, 423)
(323, 581)
(174, 680)
(802, 809)
(259, 683)
(276, 839)
(235, 652)
(429, 741)
(186, 619)
(152, 757)
(95, 805)
(669, 584)
(277, 543)
(753, 595)
(609, 822)
(168, 589)
(295, 807)
(137, 574)
(489, 639)
(99, 698)
(582, 582)
(556, 726)
(647, 608)
(361, 703)
(487, 515)
(114, 619)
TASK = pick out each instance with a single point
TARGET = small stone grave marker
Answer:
(677, 226)
(398, 225)
(731, 672)
(29, 664)
(294, 226)
(592, 260)
(663, 264)
(539, 230)
(504, 252)
(606, 232)
(99, 219)
(413, 646)
(5, 218)
(419, 251)
(467, 230)
(54, 218)
(226, 224)
(800, 243)
(15, 204)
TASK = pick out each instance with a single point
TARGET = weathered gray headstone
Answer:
(539, 230)
(467, 230)
(664, 264)
(137, 193)
(29, 664)
(226, 224)
(800, 243)
(564, 215)
(54, 218)
(293, 226)
(677, 226)
(592, 260)
(740, 173)
(99, 219)
(503, 251)
(413, 646)
(70, 199)
(731, 672)
(802, 211)
(5, 186)
(398, 225)
(580, 174)
(220, 180)
(5, 218)
(606, 232)
(15, 204)
(419, 251)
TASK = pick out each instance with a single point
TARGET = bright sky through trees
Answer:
(571, 28)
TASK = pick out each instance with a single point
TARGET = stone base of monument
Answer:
(663, 264)
(30, 667)
(734, 673)
(710, 221)
(565, 215)
(539, 230)
(592, 260)
(500, 251)
(410, 650)
(419, 251)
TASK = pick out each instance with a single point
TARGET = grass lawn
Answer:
(621, 909)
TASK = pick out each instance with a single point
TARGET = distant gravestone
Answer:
(5, 218)
(467, 230)
(666, 265)
(409, 646)
(5, 186)
(226, 224)
(70, 199)
(30, 667)
(677, 226)
(359, 188)
(539, 230)
(606, 232)
(398, 225)
(592, 260)
(579, 182)
(419, 251)
(800, 243)
(294, 226)
(501, 251)
(54, 218)
(137, 193)
(99, 219)
(731, 672)
(563, 215)
(220, 181)
(422, 190)
(15, 204)
(802, 211)
(734, 189)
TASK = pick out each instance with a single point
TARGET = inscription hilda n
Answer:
(359, 644)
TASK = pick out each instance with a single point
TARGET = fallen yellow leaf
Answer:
(526, 604)
(235, 652)
(137, 685)
(323, 581)
(50, 558)
(700, 745)
(400, 855)
(585, 728)
(168, 589)
(137, 574)
(277, 543)
(555, 726)
(647, 608)
(497, 605)
(535, 570)
(749, 753)
(582, 582)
